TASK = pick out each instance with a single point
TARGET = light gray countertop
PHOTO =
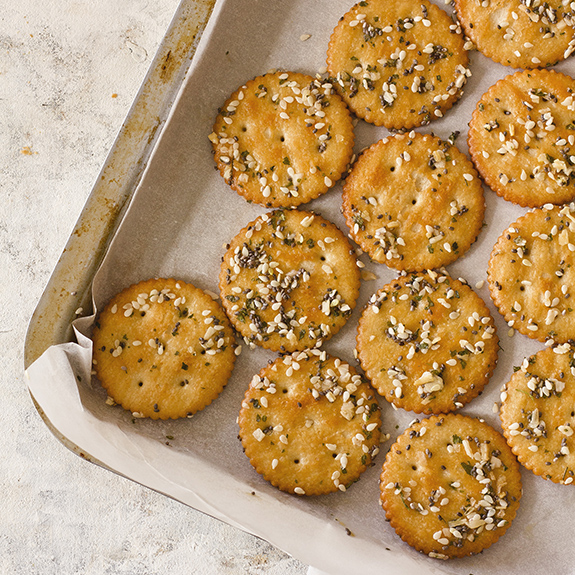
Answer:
(68, 74)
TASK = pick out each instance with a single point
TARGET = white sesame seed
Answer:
(259, 434)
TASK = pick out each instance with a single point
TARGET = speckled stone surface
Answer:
(68, 74)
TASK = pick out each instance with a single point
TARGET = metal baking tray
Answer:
(314, 540)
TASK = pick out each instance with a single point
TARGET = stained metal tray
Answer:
(69, 288)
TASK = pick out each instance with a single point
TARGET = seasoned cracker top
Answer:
(289, 280)
(520, 33)
(531, 273)
(163, 349)
(283, 139)
(538, 413)
(413, 202)
(427, 342)
(450, 486)
(522, 138)
(309, 423)
(398, 63)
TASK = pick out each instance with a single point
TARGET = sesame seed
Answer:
(259, 434)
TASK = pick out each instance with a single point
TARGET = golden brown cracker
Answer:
(398, 63)
(522, 138)
(450, 486)
(163, 349)
(538, 413)
(427, 342)
(283, 139)
(310, 424)
(289, 280)
(413, 202)
(531, 273)
(519, 33)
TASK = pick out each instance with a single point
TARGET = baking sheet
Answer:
(180, 218)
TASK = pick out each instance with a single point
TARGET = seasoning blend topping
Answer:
(531, 274)
(289, 280)
(450, 486)
(413, 202)
(283, 139)
(538, 413)
(427, 342)
(163, 349)
(522, 138)
(520, 33)
(398, 63)
(309, 423)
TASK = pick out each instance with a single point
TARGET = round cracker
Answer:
(310, 424)
(289, 280)
(531, 273)
(283, 139)
(427, 343)
(538, 413)
(517, 33)
(450, 486)
(398, 63)
(163, 349)
(413, 202)
(522, 138)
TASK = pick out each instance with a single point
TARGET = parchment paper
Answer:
(180, 218)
